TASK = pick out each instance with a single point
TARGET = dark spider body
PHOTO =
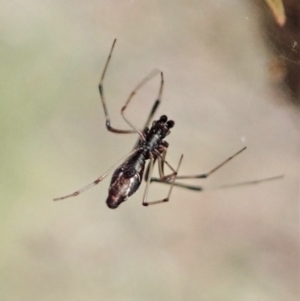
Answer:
(127, 177)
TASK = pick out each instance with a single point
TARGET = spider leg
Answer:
(199, 188)
(142, 83)
(167, 179)
(95, 182)
(163, 161)
(154, 108)
(204, 175)
(160, 166)
(173, 175)
(157, 101)
(102, 97)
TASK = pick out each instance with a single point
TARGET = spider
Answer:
(150, 146)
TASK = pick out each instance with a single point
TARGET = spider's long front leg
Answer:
(102, 97)
(142, 83)
(154, 108)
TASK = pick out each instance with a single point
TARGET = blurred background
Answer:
(222, 90)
